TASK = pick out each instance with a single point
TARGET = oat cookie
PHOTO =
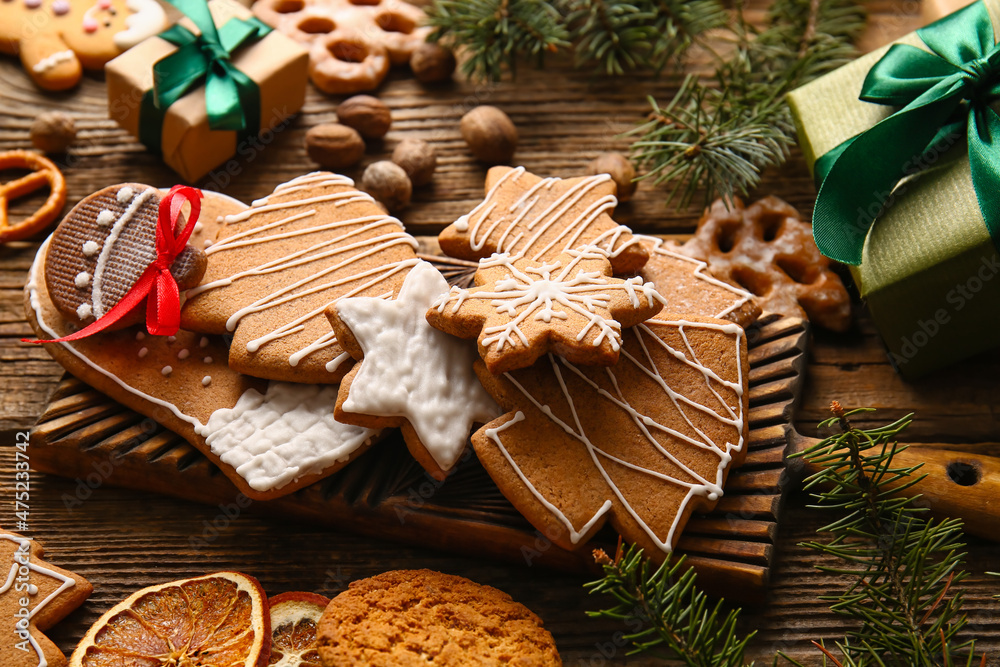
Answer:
(406, 618)
(539, 218)
(569, 305)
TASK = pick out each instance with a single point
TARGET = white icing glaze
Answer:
(538, 223)
(741, 296)
(167, 370)
(84, 311)
(105, 218)
(412, 370)
(32, 288)
(287, 433)
(696, 485)
(82, 279)
(119, 225)
(90, 248)
(548, 291)
(183, 354)
(336, 256)
(53, 61)
(207, 380)
(143, 351)
(65, 583)
(146, 20)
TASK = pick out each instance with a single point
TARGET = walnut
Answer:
(53, 132)
(620, 170)
(432, 63)
(490, 134)
(388, 183)
(334, 146)
(418, 159)
(366, 114)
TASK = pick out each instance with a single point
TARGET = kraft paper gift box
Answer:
(930, 272)
(278, 65)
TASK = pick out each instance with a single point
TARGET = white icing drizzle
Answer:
(548, 291)
(183, 354)
(285, 434)
(328, 253)
(539, 223)
(701, 272)
(53, 61)
(119, 225)
(105, 218)
(65, 583)
(412, 370)
(697, 485)
(90, 248)
(82, 279)
(167, 370)
(83, 311)
(207, 380)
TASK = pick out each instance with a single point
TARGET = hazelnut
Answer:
(417, 158)
(388, 183)
(432, 63)
(490, 134)
(366, 114)
(334, 146)
(620, 170)
(53, 132)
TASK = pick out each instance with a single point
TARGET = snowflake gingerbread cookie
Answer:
(57, 39)
(538, 218)
(641, 444)
(409, 374)
(34, 596)
(569, 305)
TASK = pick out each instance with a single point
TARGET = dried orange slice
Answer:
(218, 620)
(294, 617)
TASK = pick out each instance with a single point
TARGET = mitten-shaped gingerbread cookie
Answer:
(57, 39)
(102, 248)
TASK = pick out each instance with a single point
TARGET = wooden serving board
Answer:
(85, 435)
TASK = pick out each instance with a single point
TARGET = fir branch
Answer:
(903, 566)
(670, 613)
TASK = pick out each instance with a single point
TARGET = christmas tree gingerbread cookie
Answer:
(57, 39)
(523, 308)
(538, 218)
(34, 596)
(641, 444)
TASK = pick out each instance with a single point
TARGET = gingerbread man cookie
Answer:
(641, 444)
(34, 596)
(539, 218)
(409, 374)
(57, 39)
(523, 308)
(769, 250)
(351, 43)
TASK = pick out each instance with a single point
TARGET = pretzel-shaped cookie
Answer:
(43, 172)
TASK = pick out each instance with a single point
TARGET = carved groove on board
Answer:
(386, 494)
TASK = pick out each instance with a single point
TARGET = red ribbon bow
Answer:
(156, 284)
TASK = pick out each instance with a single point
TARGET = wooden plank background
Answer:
(123, 540)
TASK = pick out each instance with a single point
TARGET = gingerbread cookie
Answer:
(641, 444)
(57, 39)
(268, 438)
(351, 43)
(525, 308)
(410, 374)
(422, 617)
(691, 287)
(101, 249)
(539, 218)
(767, 249)
(275, 267)
(34, 596)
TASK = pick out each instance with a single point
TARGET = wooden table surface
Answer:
(124, 540)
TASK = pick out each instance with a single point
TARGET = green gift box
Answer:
(929, 269)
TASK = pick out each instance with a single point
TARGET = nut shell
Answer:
(432, 63)
(53, 132)
(619, 168)
(490, 135)
(334, 146)
(418, 159)
(366, 114)
(388, 183)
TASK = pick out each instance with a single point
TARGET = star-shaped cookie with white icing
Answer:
(569, 305)
(34, 596)
(410, 374)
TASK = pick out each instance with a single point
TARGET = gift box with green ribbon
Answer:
(218, 84)
(904, 144)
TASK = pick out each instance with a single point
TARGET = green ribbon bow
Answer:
(232, 99)
(939, 92)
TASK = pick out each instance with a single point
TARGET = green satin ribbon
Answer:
(232, 99)
(943, 94)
